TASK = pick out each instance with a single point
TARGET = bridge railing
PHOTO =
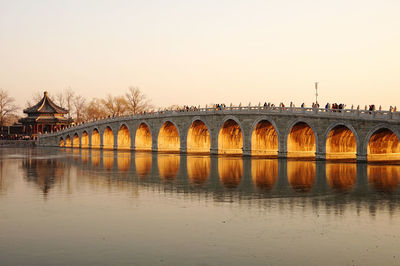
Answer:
(348, 113)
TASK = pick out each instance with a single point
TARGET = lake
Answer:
(91, 207)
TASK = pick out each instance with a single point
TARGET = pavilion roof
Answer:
(45, 106)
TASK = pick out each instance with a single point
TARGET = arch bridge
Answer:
(252, 130)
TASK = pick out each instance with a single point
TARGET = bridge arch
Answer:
(75, 141)
(124, 137)
(198, 136)
(341, 141)
(61, 142)
(230, 136)
(382, 144)
(168, 137)
(68, 142)
(143, 137)
(108, 138)
(95, 139)
(301, 139)
(85, 139)
(264, 137)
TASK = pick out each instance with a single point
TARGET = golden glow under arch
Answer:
(168, 138)
(68, 142)
(75, 142)
(61, 142)
(198, 138)
(108, 139)
(264, 139)
(301, 141)
(143, 140)
(341, 143)
(383, 146)
(230, 138)
(85, 140)
(124, 138)
(95, 139)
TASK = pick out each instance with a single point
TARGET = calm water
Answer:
(63, 207)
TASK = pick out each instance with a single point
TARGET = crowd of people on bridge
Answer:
(329, 107)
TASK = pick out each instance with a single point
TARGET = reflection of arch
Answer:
(61, 142)
(108, 159)
(230, 138)
(198, 168)
(124, 138)
(95, 157)
(168, 165)
(95, 139)
(384, 178)
(301, 175)
(85, 156)
(383, 145)
(264, 173)
(301, 140)
(341, 176)
(143, 137)
(68, 141)
(341, 142)
(264, 138)
(123, 161)
(108, 138)
(75, 141)
(198, 137)
(85, 140)
(143, 164)
(168, 137)
(230, 170)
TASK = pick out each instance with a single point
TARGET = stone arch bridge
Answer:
(252, 130)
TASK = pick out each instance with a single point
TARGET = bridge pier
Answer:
(282, 154)
(320, 156)
(214, 151)
(361, 158)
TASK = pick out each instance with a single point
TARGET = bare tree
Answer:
(7, 107)
(115, 106)
(36, 97)
(69, 98)
(95, 109)
(60, 99)
(137, 101)
(79, 104)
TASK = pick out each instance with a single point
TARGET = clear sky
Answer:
(198, 52)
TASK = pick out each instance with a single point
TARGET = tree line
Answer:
(79, 108)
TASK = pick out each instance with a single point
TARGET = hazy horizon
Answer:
(196, 53)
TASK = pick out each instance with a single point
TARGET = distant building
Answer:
(45, 116)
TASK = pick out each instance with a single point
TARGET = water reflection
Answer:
(143, 163)
(384, 178)
(246, 178)
(123, 161)
(108, 159)
(168, 166)
(264, 173)
(301, 175)
(95, 157)
(230, 170)
(198, 168)
(85, 155)
(129, 209)
(341, 176)
(45, 173)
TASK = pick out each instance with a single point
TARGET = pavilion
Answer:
(45, 116)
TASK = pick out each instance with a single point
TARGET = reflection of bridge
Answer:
(224, 177)
(278, 132)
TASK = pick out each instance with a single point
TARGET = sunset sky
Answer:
(201, 52)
